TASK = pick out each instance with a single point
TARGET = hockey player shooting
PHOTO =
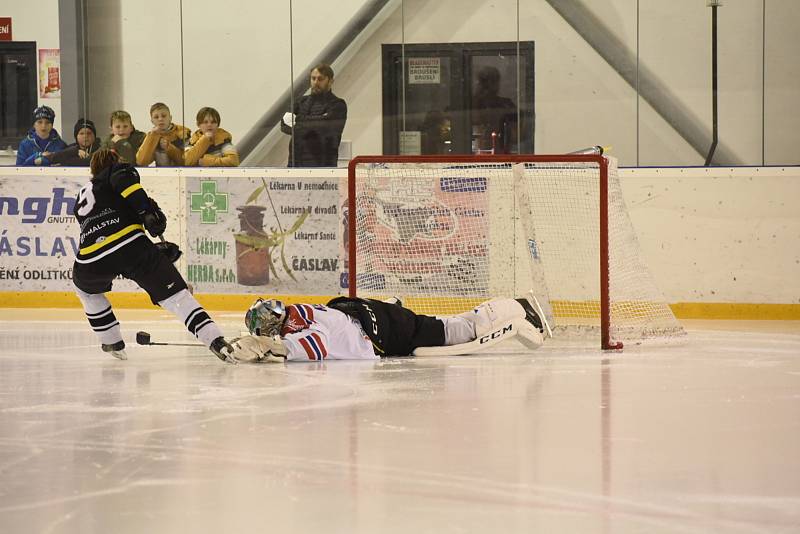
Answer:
(367, 329)
(113, 211)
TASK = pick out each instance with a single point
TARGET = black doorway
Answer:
(18, 99)
(458, 98)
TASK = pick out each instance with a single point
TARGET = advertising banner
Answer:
(49, 73)
(272, 234)
(425, 237)
(38, 233)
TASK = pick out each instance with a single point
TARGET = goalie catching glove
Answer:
(259, 349)
(153, 219)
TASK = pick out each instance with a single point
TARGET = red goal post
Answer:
(447, 232)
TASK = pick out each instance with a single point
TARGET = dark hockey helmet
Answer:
(265, 317)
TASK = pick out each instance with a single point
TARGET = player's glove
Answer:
(153, 219)
(259, 349)
(170, 250)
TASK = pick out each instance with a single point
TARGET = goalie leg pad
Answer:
(457, 330)
(529, 335)
(491, 314)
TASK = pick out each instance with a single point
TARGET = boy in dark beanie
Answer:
(42, 140)
(80, 152)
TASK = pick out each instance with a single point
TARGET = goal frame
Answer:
(605, 302)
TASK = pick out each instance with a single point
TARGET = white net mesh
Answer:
(447, 236)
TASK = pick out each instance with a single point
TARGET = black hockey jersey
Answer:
(107, 210)
(393, 330)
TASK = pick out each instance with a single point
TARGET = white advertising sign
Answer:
(39, 236)
(423, 70)
(271, 234)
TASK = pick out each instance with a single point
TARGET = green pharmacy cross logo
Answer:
(208, 202)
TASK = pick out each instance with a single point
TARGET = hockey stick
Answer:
(143, 338)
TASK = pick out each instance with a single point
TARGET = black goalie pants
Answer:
(139, 261)
(394, 330)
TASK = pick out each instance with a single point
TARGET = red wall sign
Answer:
(5, 29)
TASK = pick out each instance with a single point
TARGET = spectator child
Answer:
(165, 143)
(124, 138)
(210, 145)
(42, 140)
(80, 152)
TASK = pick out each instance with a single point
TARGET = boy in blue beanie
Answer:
(42, 140)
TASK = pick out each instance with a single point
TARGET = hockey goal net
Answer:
(446, 233)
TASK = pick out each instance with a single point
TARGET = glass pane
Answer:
(334, 34)
(133, 61)
(586, 82)
(676, 80)
(782, 80)
(239, 64)
(459, 90)
(739, 42)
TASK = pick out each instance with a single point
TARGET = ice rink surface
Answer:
(698, 438)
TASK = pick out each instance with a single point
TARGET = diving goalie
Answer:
(366, 329)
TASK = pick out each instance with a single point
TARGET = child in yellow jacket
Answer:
(165, 143)
(210, 145)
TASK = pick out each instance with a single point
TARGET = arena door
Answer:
(458, 98)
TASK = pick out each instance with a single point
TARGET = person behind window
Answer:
(42, 140)
(124, 138)
(494, 117)
(210, 145)
(80, 152)
(316, 123)
(165, 143)
(437, 137)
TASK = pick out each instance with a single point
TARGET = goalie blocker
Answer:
(354, 328)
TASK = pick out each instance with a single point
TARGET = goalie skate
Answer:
(535, 315)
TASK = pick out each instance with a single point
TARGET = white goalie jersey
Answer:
(316, 332)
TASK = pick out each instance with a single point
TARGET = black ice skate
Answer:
(530, 314)
(117, 350)
(223, 350)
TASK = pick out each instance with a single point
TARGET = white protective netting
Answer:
(446, 236)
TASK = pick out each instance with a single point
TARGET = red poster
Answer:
(5, 29)
(49, 73)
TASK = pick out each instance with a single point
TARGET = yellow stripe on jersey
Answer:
(110, 239)
(131, 189)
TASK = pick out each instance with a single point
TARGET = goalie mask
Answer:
(265, 317)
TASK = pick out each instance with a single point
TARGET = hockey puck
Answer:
(142, 338)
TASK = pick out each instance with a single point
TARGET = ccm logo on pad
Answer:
(497, 333)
